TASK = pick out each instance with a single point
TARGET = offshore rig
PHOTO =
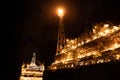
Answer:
(100, 45)
(32, 71)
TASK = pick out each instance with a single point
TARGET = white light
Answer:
(60, 12)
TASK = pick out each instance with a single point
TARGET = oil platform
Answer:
(32, 71)
(100, 45)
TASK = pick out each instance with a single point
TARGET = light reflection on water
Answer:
(31, 78)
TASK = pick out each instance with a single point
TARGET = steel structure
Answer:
(102, 45)
(32, 71)
(61, 36)
(33, 60)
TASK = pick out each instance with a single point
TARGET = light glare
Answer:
(60, 12)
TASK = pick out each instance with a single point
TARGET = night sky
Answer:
(33, 26)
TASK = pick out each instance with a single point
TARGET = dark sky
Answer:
(37, 23)
(34, 25)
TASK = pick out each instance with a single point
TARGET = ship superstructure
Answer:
(32, 71)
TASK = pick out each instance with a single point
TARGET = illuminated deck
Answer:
(32, 71)
(102, 45)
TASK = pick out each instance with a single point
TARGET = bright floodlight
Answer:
(60, 12)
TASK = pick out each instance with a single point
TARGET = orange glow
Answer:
(60, 12)
(101, 45)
